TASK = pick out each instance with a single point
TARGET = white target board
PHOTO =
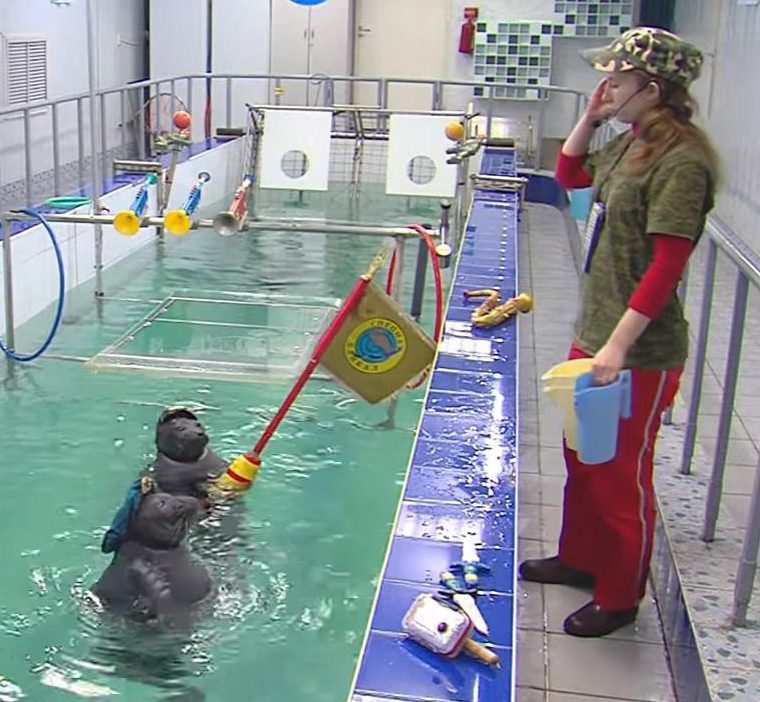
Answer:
(295, 149)
(417, 157)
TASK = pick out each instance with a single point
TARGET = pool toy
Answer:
(67, 202)
(461, 583)
(7, 346)
(444, 628)
(232, 221)
(127, 222)
(493, 311)
(182, 119)
(152, 576)
(454, 131)
(178, 222)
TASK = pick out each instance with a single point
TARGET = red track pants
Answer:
(609, 510)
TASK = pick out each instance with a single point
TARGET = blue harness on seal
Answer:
(117, 532)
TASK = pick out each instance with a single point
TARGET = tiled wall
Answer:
(520, 52)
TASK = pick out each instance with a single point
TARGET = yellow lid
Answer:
(568, 369)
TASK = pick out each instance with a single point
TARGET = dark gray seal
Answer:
(184, 464)
(152, 576)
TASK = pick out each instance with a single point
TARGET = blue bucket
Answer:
(580, 203)
(598, 409)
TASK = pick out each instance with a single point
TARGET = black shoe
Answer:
(551, 572)
(591, 620)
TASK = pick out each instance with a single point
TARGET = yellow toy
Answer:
(493, 311)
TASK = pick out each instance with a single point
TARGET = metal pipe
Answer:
(103, 138)
(715, 489)
(420, 272)
(489, 111)
(299, 225)
(540, 127)
(80, 141)
(28, 158)
(189, 101)
(94, 148)
(10, 332)
(745, 574)
(56, 152)
(690, 435)
(123, 122)
(228, 96)
(667, 417)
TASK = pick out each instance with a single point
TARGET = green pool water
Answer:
(296, 562)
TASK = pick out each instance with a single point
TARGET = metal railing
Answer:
(122, 117)
(746, 262)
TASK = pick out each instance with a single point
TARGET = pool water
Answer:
(295, 559)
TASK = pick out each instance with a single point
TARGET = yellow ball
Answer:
(454, 131)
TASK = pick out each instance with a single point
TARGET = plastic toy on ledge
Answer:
(442, 627)
(493, 311)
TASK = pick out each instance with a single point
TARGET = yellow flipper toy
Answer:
(493, 311)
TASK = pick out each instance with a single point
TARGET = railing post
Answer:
(94, 147)
(228, 99)
(28, 158)
(690, 436)
(540, 127)
(745, 574)
(56, 151)
(80, 140)
(10, 331)
(715, 490)
(667, 417)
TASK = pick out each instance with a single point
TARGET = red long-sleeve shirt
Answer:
(670, 252)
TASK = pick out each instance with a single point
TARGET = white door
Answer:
(329, 47)
(290, 49)
(400, 39)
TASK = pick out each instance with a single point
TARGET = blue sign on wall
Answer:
(308, 2)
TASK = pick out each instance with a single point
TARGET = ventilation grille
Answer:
(25, 69)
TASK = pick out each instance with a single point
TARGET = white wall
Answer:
(35, 284)
(240, 44)
(65, 29)
(730, 101)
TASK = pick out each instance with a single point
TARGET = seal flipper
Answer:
(155, 595)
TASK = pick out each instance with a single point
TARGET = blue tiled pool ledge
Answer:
(460, 481)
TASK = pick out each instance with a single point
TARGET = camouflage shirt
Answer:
(672, 197)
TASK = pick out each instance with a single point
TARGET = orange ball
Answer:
(182, 119)
(454, 131)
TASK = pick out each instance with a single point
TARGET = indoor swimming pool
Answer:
(295, 561)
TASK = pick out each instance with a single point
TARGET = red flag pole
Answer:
(319, 350)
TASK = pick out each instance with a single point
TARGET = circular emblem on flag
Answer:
(375, 346)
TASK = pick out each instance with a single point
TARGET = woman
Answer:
(653, 187)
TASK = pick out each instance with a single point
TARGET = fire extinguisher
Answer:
(467, 31)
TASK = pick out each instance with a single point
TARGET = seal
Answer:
(152, 575)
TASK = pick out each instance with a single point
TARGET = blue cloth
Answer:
(122, 519)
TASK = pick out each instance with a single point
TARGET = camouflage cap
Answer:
(652, 50)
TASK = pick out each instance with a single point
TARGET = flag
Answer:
(378, 349)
